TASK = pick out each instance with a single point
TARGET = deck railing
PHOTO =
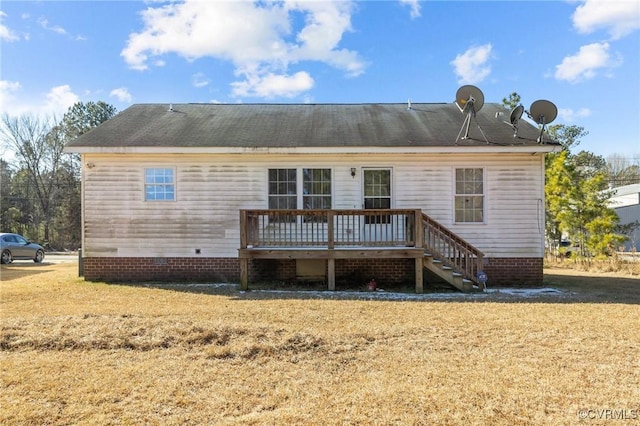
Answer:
(330, 228)
(451, 249)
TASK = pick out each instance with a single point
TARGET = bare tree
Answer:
(38, 148)
(622, 171)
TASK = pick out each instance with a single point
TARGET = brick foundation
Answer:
(349, 272)
(514, 271)
(208, 269)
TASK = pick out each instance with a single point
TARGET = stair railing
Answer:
(452, 250)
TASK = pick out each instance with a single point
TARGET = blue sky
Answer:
(581, 55)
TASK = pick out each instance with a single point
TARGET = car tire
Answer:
(39, 256)
(6, 257)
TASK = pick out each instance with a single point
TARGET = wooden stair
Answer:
(450, 257)
(448, 274)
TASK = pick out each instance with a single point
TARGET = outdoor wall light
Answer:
(90, 165)
(353, 172)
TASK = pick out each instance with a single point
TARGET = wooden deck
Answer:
(350, 234)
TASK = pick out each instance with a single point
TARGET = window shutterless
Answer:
(469, 197)
(159, 184)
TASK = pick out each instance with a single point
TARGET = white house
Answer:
(626, 203)
(343, 192)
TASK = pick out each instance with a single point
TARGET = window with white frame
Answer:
(316, 188)
(286, 192)
(469, 197)
(159, 184)
(283, 189)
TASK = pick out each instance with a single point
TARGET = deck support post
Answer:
(331, 274)
(419, 266)
(244, 274)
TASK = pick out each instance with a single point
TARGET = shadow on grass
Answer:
(18, 270)
(596, 288)
(557, 288)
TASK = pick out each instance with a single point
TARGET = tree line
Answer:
(40, 186)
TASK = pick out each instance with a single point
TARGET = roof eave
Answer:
(456, 149)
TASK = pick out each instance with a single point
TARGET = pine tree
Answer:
(576, 206)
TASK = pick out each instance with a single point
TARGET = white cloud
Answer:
(257, 37)
(199, 80)
(6, 33)
(472, 65)
(326, 22)
(55, 102)
(272, 85)
(59, 99)
(44, 23)
(569, 115)
(584, 64)
(7, 94)
(122, 94)
(618, 17)
(414, 6)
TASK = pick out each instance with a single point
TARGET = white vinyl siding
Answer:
(211, 189)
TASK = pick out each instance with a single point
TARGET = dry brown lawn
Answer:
(74, 352)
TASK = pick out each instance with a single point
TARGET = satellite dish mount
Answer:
(469, 100)
(542, 112)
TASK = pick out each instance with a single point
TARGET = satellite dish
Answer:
(514, 118)
(515, 115)
(542, 112)
(469, 100)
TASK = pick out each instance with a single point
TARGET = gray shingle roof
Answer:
(306, 125)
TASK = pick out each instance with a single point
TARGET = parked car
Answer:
(568, 247)
(16, 247)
